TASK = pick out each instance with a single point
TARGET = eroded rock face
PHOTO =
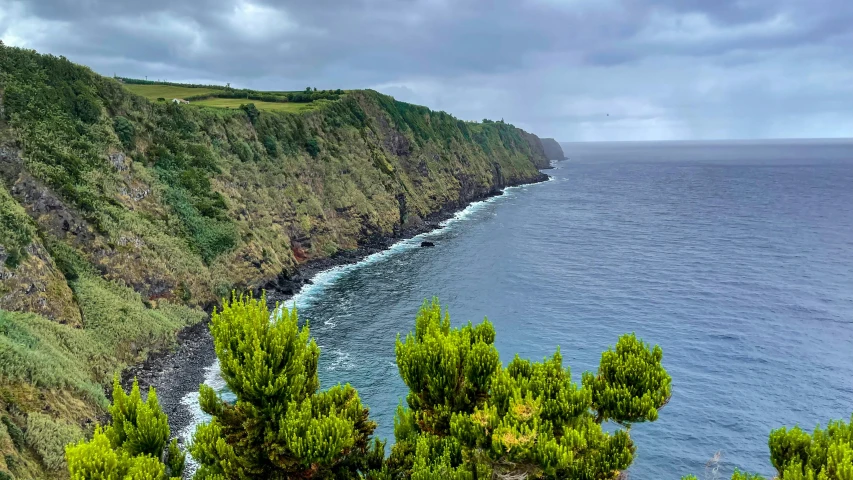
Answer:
(38, 286)
(382, 169)
(119, 161)
(33, 282)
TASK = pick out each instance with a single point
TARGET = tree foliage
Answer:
(251, 111)
(135, 446)
(826, 454)
(282, 425)
(469, 417)
(125, 131)
(823, 455)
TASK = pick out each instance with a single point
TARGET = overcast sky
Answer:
(575, 70)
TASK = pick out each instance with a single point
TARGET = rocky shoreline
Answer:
(180, 371)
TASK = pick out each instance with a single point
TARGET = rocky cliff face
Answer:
(552, 149)
(196, 202)
(119, 216)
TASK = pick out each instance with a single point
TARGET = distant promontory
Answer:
(552, 149)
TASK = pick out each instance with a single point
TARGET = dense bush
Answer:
(469, 417)
(251, 111)
(135, 446)
(126, 131)
(270, 145)
(312, 147)
(826, 454)
(281, 425)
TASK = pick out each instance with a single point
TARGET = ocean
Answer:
(735, 257)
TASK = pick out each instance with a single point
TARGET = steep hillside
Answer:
(120, 218)
(552, 149)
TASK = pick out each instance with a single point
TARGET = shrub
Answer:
(468, 416)
(48, 437)
(251, 111)
(125, 131)
(87, 108)
(243, 150)
(281, 425)
(270, 145)
(132, 446)
(824, 454)
(312, 147)
(98, 460)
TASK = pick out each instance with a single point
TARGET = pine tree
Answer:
(282, 425)
(796, 455)
(824, 455)
(469, 417)
(135, 446)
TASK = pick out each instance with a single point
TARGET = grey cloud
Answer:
(664, 69)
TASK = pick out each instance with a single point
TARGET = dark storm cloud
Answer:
(574, 69)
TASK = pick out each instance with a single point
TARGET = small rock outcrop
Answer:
(427, 244)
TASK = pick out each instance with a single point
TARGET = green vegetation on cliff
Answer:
(122, 217)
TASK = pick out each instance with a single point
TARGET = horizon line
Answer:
(715, 140)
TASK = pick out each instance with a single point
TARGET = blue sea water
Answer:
(736, 258)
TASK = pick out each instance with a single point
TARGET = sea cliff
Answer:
(122, 219)
(552, 149)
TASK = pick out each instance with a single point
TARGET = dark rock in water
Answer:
(427, 244)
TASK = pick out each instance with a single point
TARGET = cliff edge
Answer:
(552, 149)
(121, 218)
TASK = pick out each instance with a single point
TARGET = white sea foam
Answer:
(212, 378)
(341, 361)
(322, 280)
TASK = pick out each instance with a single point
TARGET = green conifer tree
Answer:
(469, 417)
(281, 426)
(135, 446)
(826, 454)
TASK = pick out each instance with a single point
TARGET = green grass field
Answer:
(168, 92)
(153, 92)
(268, 106)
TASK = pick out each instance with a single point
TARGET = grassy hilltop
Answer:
(227, 97)
(121, 217)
